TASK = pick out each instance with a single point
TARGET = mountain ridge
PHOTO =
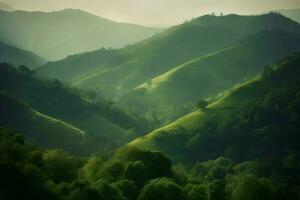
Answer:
(89, 32)
(15, 56)
(189, 134)
(163, 51)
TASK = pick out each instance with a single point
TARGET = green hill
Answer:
(109, 125)
(15, 56)
(174, 93)
(257, 118)
(78, 67)
(166, 50)
(39, 129)
(294, 14)
(55, 35)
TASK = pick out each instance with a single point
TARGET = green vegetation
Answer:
(202, 104)
(204, 43)
(174, 47)
(38, 128)
(294, 14)
(129, 174)
(238, 77)
(171, 94)
(56, 35)
(15, 56)
(256, 119)
(106, 124)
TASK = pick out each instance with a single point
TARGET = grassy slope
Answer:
(38, 128)
(208, 75)
(174, 138)
(55, 35)
(55, 100)
(181, 44)
(294, 14)
(79, 67)
(15, 56)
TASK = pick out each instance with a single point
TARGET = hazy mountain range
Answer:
(55, 35)
(140, 73)
(15, 56)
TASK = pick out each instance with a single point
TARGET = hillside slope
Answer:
(259, 117)
(178, 45)
(184, 85)
(15, 56)
(55, 35)
(101, 119)
(39, 129)
(294, 14)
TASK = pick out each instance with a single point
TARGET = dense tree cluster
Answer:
(129, 173)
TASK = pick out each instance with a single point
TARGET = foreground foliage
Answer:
(31, 173)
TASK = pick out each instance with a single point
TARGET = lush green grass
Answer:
(163, 52)
(217, 124)
(107, 125)
(38, 128)
(209, 75)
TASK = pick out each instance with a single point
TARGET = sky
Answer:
(156, 12)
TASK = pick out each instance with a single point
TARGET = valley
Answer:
(94, 109)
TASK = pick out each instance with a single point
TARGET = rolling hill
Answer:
(107, 125)
(294, 14)
(15, 56)
(55, 35)
(256, 118)
(38, 128)
(173, 93)
(159, 54)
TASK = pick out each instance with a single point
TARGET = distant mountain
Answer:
(6, 7)
(258, 118)
(136, 64)
(294, 14)
(15, 56)
(174, 93)
(106, 125)
(58, 34)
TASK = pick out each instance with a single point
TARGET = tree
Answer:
(196, 192)
(252, 188)
(216, 190)
(201, 104)
(128, 188)
(163, 189)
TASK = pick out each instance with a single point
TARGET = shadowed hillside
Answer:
(175, 92)
(55, 35)
(100, 119)
(15, 56)
(294, 14)
(165, 51)
(257, 118)
(40, 129)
